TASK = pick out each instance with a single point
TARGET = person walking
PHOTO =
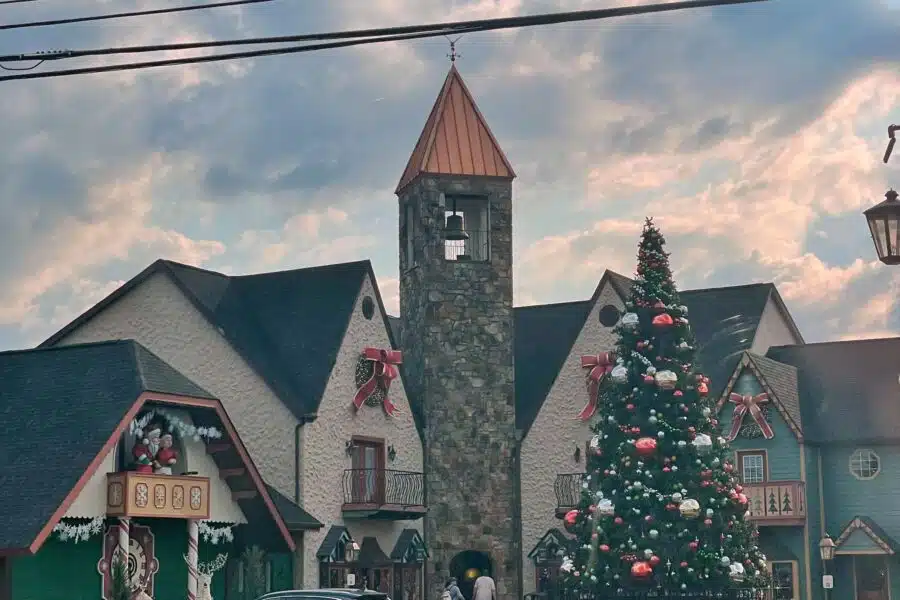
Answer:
(484, 589)
(451, 591)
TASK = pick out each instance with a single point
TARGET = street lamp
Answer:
(351, 555)
(884, 225)
(884, 218)
(826, 552)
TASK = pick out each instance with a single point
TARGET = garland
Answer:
(80, 532)
(175, 424)
(214, 534)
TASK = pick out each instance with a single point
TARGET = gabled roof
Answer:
(544, 336)
(724, 321)
(552, 538)
(778, 380)
(287, 325)
(874, 535)
(456, 140)
(848, 391)
(89, 393)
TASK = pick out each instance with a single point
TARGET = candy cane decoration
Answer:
(124, 535)
(191, 558)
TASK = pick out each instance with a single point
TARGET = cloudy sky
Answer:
(753, 134)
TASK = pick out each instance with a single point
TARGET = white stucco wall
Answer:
(324, 441)
(91, 501)
(160, 317)
(773, 330)
(549, 446)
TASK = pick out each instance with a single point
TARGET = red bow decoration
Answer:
(600, 365)
(383, 373)
(751, 404)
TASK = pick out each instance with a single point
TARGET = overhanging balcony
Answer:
(568, 492)
(777, 502)
(131, 494)
(383, 494)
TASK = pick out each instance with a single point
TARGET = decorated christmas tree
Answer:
(660, 507)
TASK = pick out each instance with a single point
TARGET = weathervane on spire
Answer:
(453, 54)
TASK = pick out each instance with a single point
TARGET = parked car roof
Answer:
(327, 594)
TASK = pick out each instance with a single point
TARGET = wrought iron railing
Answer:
(568, 490)
(561, 593)
(383, 486)
(475, 249)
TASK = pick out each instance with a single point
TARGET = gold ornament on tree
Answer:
(689, 509)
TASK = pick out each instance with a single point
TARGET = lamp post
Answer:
(826, 552)
(351, 555)
(884, 218)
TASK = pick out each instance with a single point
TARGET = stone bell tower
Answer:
(455, 202)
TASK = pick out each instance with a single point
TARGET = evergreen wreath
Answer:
(364, 371)
(750, 428)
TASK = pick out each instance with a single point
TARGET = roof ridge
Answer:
(43, 349)
(365, 262)
(836, 342)
(551, 304)
(174, 263)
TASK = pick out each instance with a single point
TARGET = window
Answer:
(368, 308)
(753, 466)
(472, 215)
(785, 580)
(865, 464)
(408, 232)
(608, 316)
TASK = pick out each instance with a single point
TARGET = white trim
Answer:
(858, 455)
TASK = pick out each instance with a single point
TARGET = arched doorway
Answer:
(467, 566)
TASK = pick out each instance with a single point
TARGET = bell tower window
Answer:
(467, 229)
(408, 234)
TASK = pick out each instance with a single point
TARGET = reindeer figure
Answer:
(205, 572)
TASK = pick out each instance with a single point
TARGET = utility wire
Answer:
(141, 13)
(444, 28)
(454, 29)
(221, 57)
(16, 1)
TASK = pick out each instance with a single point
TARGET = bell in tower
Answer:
(455, 203)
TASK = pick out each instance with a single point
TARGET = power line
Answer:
(416, 33)
(141, 13)
(222, 57)
(15, 1)
(453, 27)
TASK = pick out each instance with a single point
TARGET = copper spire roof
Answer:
(456, 139)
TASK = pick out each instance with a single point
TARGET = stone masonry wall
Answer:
(458, 339)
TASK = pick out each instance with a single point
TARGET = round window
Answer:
(609, 315)
(865, 464)
(368, 307)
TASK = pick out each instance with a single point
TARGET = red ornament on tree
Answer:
(663, 321)
(641, 570)
(604, 548)
(654, 560)
(645, 446)
(570, 520)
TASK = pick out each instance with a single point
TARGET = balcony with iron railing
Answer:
(568, 492)
(383, 494)
(770, 503)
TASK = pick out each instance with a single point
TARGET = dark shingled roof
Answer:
(406, 539)
(724, 321)
(782, 379)
(293, 515)
(543, 338)
(84, 389)
(848, 390)
(288, 325)
(330, 541)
